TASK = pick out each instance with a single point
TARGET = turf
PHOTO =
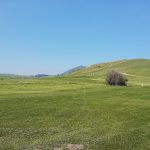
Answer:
(50, 112)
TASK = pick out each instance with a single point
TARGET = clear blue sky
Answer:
(51, 36)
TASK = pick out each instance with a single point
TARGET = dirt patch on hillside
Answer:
(58, 149)
(71, 147)
(75, 147)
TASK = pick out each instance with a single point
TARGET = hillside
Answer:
(136, 69)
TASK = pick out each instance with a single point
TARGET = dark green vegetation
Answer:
(78, 109)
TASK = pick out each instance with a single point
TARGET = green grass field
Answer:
(50, 113)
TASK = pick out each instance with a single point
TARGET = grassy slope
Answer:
(137, 69)
(54, 111)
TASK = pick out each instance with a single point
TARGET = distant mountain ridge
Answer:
(4, 75)
(74, 69)
(41, 75)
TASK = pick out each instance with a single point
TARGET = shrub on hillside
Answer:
(116, 78)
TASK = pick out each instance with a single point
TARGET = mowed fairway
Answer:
(53, 112)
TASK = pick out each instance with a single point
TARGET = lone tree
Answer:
(116, 78)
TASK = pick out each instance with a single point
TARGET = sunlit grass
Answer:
(77, 109)
(55, 111)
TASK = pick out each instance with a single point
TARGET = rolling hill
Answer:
(140, 67)
(136, 69)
